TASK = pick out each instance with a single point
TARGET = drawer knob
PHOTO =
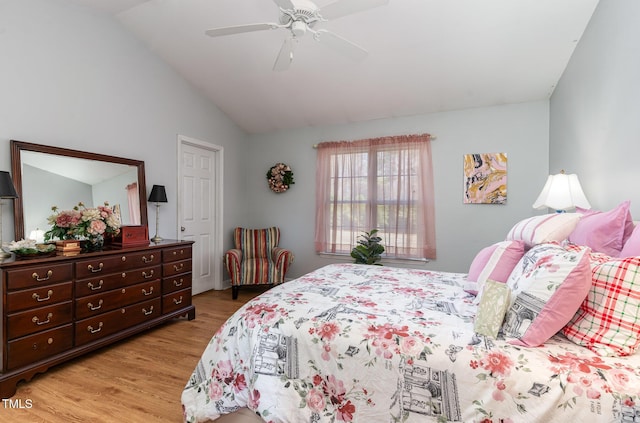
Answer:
(123, 258)
(50, 341)
(147, 276)
(145, 293)
(93, 308)
(37, 321)
(146, 313)
(147, 260)
(177, 302)
(36, 296)
(95, 288)
(176, 283)
(95, 269)
(44, 278)
(92, 330)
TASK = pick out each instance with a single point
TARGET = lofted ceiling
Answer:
(424, 56)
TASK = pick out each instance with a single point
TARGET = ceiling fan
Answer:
(300, 17)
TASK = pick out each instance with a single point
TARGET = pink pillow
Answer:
(494, 262)
(604, 232)
(553, 290)
(632, 245)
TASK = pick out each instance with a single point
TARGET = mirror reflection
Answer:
(49, 180)
(48, 176)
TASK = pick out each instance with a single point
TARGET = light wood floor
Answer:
(136, 380)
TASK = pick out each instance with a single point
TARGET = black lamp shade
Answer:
(7, 189)
(158, 194)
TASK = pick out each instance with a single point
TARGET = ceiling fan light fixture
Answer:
(298, 28)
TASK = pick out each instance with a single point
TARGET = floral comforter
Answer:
(357, 343)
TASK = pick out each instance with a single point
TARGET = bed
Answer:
(358, 343)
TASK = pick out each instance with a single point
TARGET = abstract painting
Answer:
(485, 178)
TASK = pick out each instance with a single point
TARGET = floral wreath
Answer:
(280, 177)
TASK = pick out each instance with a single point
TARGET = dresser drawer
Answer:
(104, 283)
(117, 298)
(176, 283)
(101, 265)
(36, 347)
(144, 258)
(176, 268)
(116, 263)
(37, 319)
(38, 297)
(98, 327)
(39, 275)
(176, 300)
(176, 254)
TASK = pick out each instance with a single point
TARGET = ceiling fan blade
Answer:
(340, 44)
(285, 4)
(237, 29)
(341, 8)
(285, 57)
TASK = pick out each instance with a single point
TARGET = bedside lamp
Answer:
(158, 195)
(562, 192)
(7, 190)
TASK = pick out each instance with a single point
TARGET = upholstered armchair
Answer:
(256, 258)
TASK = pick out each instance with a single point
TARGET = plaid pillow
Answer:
(608, 321)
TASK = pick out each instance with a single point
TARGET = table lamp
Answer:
(562, 192)
(7, 190)
(158, 195)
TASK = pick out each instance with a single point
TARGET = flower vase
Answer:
(94, 243)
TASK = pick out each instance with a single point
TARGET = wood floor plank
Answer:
(136, 380)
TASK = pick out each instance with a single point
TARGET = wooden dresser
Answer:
(58, 308)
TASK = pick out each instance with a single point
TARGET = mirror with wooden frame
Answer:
(46, 176)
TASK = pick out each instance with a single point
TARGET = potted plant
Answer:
(369, 249)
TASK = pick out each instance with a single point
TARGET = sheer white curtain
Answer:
(379, 183)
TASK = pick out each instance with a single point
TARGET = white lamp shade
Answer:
(562, 192)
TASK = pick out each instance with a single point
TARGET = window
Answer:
(382, 183)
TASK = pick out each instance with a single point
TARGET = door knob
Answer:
(182, 228)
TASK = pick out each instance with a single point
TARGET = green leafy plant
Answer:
(369, 249)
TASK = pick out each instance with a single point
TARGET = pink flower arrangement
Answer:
(82, 222)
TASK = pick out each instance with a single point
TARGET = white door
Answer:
(200, 209)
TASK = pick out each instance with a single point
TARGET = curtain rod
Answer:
(431, 138)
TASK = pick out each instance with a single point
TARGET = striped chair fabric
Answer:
(256, 258)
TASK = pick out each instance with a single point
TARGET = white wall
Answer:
(594, 119)
(520, 130)
(73, 77)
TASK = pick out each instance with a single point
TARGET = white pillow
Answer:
(544, 228)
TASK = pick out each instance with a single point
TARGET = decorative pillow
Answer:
(494, 262)
(604, 232)
(551, 292)
(595, 258)
(632, 245)
(608, 321)
(519, 279)
(544, 228)
(493, 305)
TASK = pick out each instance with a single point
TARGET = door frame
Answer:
(218, 199)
